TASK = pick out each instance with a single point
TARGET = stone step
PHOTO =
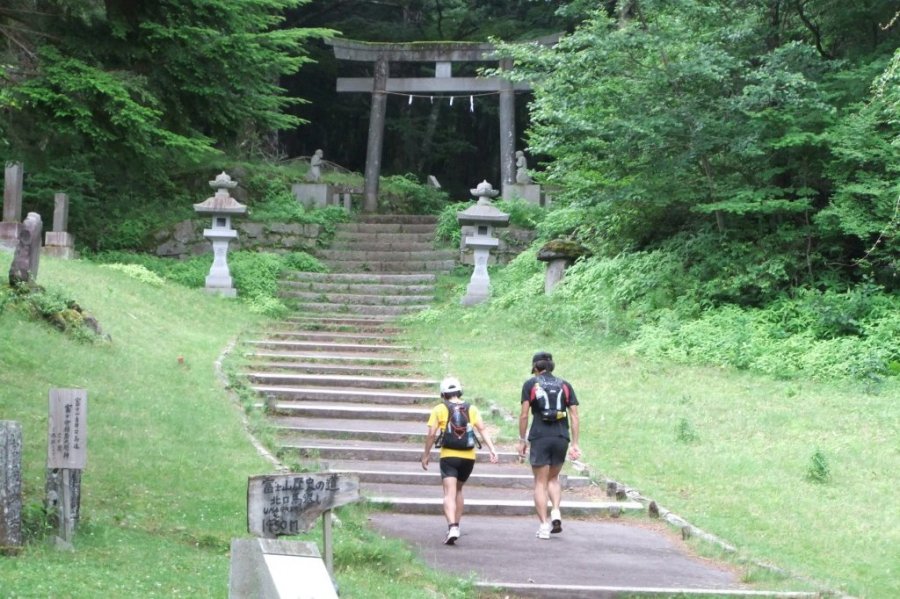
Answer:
(429, 219)
(340, 380)
(360, 323)
(367, 337)
(329, 368)
(362, 277)
(387, 256)
(386, 227)
(354, 298)
(381, 237)
(369, 349)
(356, 288)
(351, 449)
(349, 360)
(372, 411)
(382, 396)
(497, 506)
(400, 245)
(409, 472)
(429, 266)
(361, 309)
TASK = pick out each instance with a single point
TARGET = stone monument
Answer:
(522, 176)
(24, 267)
(313, 193)
(222, 207)
(58, 242)
(315, 167)
(483, 216)
(523, 188)
(10, 486)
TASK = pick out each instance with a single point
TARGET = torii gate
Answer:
(443, 54)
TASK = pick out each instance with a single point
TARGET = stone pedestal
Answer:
(559, 254)
(59, 244)
(9, 234)
(479, 287)
(529, 192)
(312, 195)
(556, 270)
(219, 278)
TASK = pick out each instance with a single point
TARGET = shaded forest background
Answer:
(730, 165)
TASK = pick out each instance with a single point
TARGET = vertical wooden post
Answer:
(376, 134)
(327, 542)
(67, 456)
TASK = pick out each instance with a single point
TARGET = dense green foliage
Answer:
(123, 105)
(255, 274)
(763, 134)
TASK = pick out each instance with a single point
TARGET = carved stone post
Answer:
(12, 204)
(10, 485)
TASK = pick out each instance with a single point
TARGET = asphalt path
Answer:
(597, 552)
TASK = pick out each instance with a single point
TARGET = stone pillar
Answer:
(58, 242)
(10, 484)
(12, 204)
(507, 127)
(376, 134)
(60, 212)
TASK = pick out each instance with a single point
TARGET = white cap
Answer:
(450, 385)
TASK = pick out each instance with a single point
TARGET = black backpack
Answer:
(459, 432)
(552, 398)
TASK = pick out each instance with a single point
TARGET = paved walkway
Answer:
(595, 552)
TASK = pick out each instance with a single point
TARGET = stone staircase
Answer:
(345, 396)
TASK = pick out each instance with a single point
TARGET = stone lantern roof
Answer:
(221, 202)
(483, 212)
(562, 249)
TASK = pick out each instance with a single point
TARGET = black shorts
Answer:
(458, 468)
(548, 451)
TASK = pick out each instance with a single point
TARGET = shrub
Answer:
(403, 194)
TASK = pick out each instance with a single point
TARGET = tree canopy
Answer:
(109, 101)
(760, 137)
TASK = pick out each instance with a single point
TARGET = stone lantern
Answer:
(484, 217)
(222, 207)
(559, 254)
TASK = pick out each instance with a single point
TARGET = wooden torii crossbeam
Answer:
(443, 54)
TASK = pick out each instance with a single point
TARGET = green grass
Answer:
(164, 489)
(168, 459)
(730, 452)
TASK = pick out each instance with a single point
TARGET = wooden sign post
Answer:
(67, 454)
(288, 504)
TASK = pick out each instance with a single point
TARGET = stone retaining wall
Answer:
(513, 241)
(185, 239)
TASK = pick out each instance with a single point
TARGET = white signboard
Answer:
(67, 434)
